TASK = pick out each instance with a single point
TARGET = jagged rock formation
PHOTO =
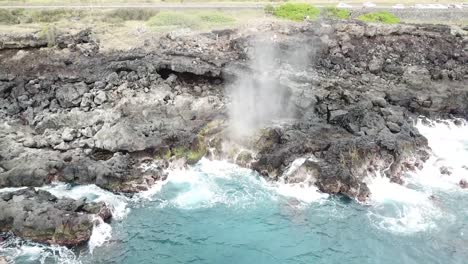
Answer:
(42, 217)
(73, 114)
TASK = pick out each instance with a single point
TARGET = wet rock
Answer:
(244, 158)
(463, 184)
(42, 217)
(445, 170)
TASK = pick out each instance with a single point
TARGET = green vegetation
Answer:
(337, 13)
(51, 15)
(49, 33)
(192, 155)
(174, 19)
(189, 20)
(380, 17)
(297, 11)
(7, 17)
(16, 16)
(130, 14)
(212, 17)
(269, 9)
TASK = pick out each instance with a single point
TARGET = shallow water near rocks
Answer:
(216, 212)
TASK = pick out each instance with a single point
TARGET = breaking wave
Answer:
(212, 183)
(418, 205)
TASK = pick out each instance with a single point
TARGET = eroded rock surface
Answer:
(42, 217)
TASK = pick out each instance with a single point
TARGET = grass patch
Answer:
(269, 9)
(49, 33)
(174, 19)
(52, 15)
(297, 11)
(380, 17)
(192, 20)
(216, 18)
(337, 13)
(7, 17)
(130, 14)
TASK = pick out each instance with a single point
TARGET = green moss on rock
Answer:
(193, 154)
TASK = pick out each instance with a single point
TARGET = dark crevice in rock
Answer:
(101, 154)
(190, 78)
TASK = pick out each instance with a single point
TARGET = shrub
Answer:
(167, 19)
(269, 9)
(337, 13)
(380, 17)
(7, 17)
(127, 14)
(296, 11)
(216, 18)
(49, 33)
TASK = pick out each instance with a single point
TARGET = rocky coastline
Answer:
(73, 114)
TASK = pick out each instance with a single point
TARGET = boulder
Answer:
(42, 217)
(69, 95)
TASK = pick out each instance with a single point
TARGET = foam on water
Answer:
(20, 251)
(102, 232)
(204, 185)
(303, 192)
(11, 189)
(93, 194)
(399, 209)
(414, 207)
(449, 144)
(211, 183)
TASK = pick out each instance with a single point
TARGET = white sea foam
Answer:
(412, 207)
(102, 232)
(93, 194)
(449, 144)
(149, 194)
(11, 189)
(219, 182)
(303, 192)
(19, 251)
(203, 185)
(400, 209)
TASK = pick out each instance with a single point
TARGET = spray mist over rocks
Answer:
(260, 96)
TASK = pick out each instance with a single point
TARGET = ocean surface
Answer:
(217, 212)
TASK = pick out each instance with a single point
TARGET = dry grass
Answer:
(314, 2)
(124, 34)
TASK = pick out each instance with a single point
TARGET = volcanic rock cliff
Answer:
(74, 114)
